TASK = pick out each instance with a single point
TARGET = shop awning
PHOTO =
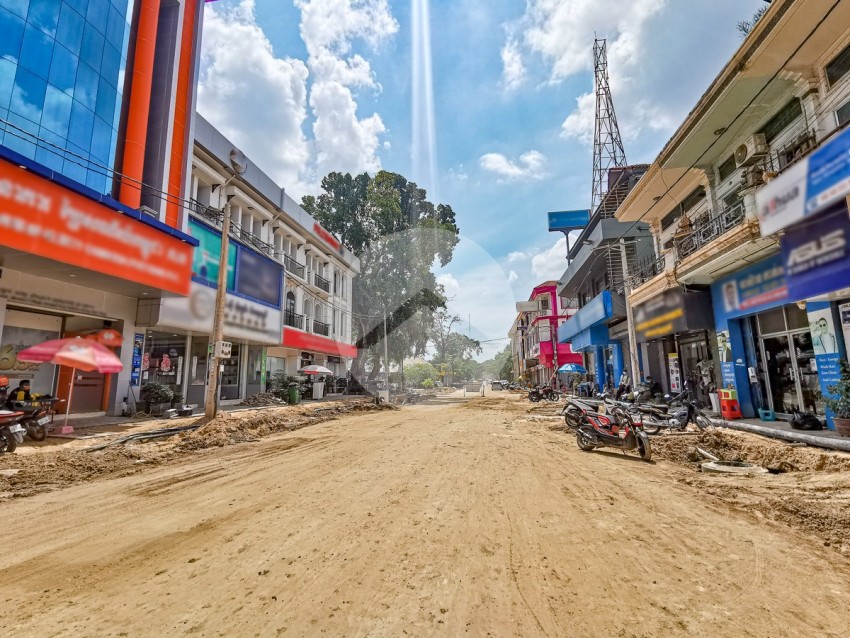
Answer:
(314, 343)
(597, 311)
(590, 338)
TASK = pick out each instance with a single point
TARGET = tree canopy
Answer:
(388, 222)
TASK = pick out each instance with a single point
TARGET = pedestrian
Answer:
(624, 386)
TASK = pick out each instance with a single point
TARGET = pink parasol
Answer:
(76, 353)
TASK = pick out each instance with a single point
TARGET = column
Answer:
(600, 367)
(617, 356)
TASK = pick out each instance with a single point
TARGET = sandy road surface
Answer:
(453, 518)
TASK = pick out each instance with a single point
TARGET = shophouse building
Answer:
(534, 334)
(96, 98)
(594, 278)
(288, 301)
(753, 306)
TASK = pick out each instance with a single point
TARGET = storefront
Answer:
(178, 330)
(674, 331)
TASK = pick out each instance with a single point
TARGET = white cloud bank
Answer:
(531, 165)
(550, 263)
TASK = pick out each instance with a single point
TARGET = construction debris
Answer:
(263, 399)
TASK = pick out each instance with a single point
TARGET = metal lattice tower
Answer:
(607, 145)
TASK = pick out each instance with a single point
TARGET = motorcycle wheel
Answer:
(651, 429)
(703, 423)
(534, 398)
(643, 446)
(7, 442)
(583, 443)
(554, 397)
(37, 432)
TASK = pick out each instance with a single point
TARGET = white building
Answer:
(289, 285)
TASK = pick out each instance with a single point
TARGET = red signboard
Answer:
(315, 343)
(45, 219)
(325, 236)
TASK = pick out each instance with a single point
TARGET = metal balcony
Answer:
(321, 282)
(320, 328)
(706, 231)
(294, 267)
(647, 270)
(293, 319)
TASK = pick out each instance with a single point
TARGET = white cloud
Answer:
(512, 276)
(247, 93)
(518, 255)
(557, 31)
(343, 141)
(451, 286)
(531, 165)
(550, 263)
(513, 68)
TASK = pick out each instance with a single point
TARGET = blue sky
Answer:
(309, 86)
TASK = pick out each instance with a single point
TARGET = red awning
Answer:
(314, 343)
(565, 354)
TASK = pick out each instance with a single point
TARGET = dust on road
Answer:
(457, 517)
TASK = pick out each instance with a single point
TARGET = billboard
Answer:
(567, 220)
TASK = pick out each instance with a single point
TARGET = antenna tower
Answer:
(607, 145)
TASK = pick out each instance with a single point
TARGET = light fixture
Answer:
(720, 131)
(656, 198)
(71, 275)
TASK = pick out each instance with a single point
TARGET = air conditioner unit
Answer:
(751, 151)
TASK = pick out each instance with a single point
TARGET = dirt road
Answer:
(453, 518)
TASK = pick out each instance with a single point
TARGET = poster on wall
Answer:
(16, 339)
(675, 373)
(136, 367)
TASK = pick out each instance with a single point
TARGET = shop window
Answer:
(843, 114)
(797, 319)
(198, 362)
(163, 359)
(838, 67)
(727, 168)
(230, 376)
(772, 321)
(782, 120)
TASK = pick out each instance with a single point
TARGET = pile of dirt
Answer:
(263, 399)
(740, 446)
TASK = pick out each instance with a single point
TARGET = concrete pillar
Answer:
(600, 368)
(617, 356)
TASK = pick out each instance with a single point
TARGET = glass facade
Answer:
(62, 65)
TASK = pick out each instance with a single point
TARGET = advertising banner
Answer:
(567, 220)
(816, 255)
(671, 312)
(806, 188)
(750, 290)
(42, 218)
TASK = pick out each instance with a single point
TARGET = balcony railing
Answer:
(706, 231)
(293, 319)
(321, 282)
(647, 270)
(320, 328)
(216, 216)
(293, 266)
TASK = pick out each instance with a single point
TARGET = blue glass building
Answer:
(62, 71)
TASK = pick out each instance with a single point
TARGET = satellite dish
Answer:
(238, 161)
(741, 154)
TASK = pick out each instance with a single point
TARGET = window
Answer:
(290, 302)
(843, 113)
(693, 199)
(726, 168)
(839, 66)
(670, 218)
(544, 303)
(782, 120)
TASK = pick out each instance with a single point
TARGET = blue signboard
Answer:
(567, 220)
(829, 174)
(750, 290)
(816, 254)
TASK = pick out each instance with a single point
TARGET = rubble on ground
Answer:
(263, 399)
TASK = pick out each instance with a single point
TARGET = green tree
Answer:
(398, 235)
(415, 375)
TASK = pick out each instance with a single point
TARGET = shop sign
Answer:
(136, 366)
(816, 254)
(566, 220)
(671, 312)
(808, 187)
(326, 237)
(243, 318)
(40, 217)
(750, 290)
(248, 272)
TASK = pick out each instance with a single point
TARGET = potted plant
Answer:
(156, 397)
(838, 401)
(177, 399)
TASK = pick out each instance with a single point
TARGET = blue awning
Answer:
(591, 338)
(595, 312)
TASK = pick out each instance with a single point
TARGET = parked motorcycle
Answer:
(534, 395)
(616, 430)
(37, 415)
(674, 414)
(11, 431)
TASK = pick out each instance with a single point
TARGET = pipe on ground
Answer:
(798, 437)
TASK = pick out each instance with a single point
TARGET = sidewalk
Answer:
(783, 426)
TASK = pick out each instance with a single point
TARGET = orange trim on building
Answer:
(182, 107)
(135, 138)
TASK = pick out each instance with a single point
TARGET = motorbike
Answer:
(616, 429)
(534, 395)
(37, 415)
(674, 414)
(11, 431)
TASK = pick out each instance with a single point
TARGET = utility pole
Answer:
(386, 355)
(239, 165)
(633, 357)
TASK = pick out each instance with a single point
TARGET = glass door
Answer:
(781, 374)
(807, 373)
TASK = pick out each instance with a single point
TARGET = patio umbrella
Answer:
(314, 369)
(572, 367)
(77, 354)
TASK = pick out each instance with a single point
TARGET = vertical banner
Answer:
(675, 373)
(825, 346)
(136, 367)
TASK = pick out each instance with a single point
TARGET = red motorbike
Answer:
(11, 432)
(616, 429)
